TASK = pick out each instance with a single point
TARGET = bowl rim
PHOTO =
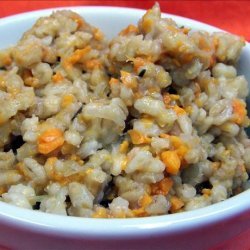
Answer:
(100, 8)
(69, 226)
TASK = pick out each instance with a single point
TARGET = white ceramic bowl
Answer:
(198, 229)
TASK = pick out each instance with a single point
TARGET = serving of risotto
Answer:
(149, 123)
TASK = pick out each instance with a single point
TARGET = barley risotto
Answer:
(149, 123)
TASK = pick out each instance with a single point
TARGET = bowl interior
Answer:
(110, 20)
